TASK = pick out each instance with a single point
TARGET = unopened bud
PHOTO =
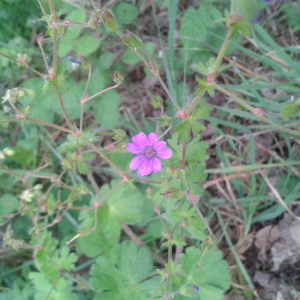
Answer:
(85, 232)
(132, 40)
(9, 152)
(193, 198)
(82, 189)
(188, 290)
(209, 243)
(110, 21)
(22, 59)
(67, 23)
(111, 147)
(95, 206)
(248, 10)
(118, 78)
(119, 135)
(38, 187)
(156, 101)
(20, 95)
(2, 156)
(30, 93)
(182, 115)
(162, 121)
(94, 20)
(260, 112)
(40, 38)
(85, 62)
(174, 193)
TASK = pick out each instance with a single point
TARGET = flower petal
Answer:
(164, 154)
(161, 145)
(152, 138)
(134, 148)
(140, 139)
(156, 165)
(145, 167)
(136, 162)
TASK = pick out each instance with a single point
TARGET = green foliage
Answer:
(212, 276)
(107, 109)
(202, 111)
(123, 274)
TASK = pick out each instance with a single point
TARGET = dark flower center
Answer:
(150, 152)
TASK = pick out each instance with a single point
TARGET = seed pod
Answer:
(118, 78)
(132, 40)
(110, 21)
(85, 62)
(156, 101)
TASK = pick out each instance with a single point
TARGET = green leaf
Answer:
(86, 45)
(125, 13)
(91, 245)
(173, 270)
(82, 167)
(200, 90)
(177, 148)
(195, 173)
(192, 27)
(212, 276)
(106, 60)
(200, 68)
(210, 90)
(196, 127)
(184, 129)
(8, 204)
(202, 111)
(66, 260)
(122, 277)
(107, 109)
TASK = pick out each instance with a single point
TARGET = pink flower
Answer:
(149, 151)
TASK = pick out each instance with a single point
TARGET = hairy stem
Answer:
(26, 66)
(45, 60)
(108, 89)
(63, 107)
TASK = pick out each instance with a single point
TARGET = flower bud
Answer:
(20, 95)
(162, 121)
(248, 10)
(174, 193)
(118, 78)
(85, 62)
(95, 19)
(22, 59)
(82, 189)
(111, 147)
(9, 152)
(39, 38)
(132, 40)
(209, 243)
(38, 187)
(110, 21)
(260, 112)
(30, 93)
(156, 101)
(188, 290)
(2, 156)
(119, 135)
